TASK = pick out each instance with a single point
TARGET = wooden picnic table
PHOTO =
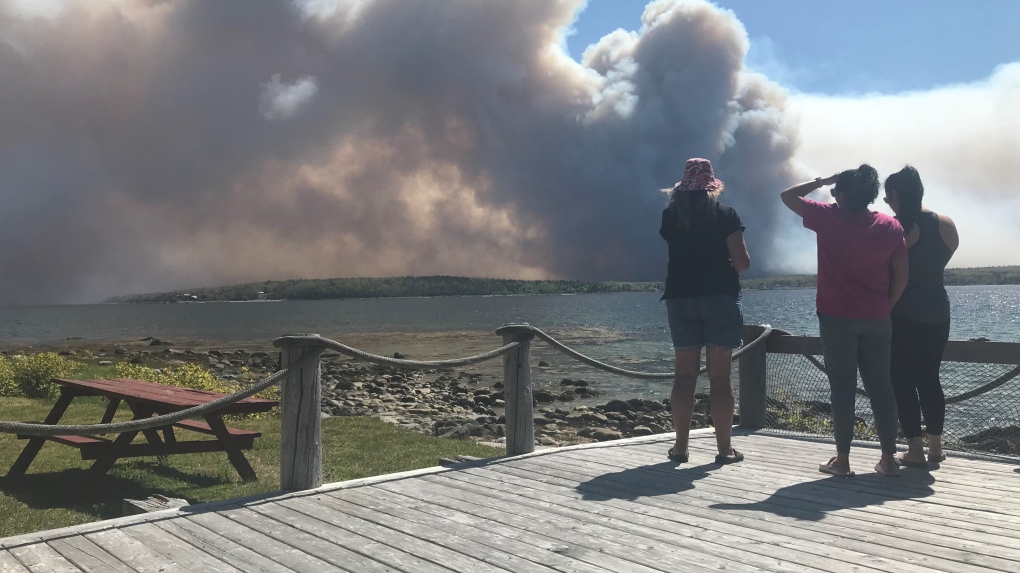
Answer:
(147, 399)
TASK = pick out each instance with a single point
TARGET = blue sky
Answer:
(852, 47)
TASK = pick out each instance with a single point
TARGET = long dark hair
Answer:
(859, 187)
(906, 184)
(694, 208)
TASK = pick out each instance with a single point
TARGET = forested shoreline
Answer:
(390, 287)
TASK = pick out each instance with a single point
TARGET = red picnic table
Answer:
(147, 399)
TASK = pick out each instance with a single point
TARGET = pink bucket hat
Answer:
(698, 176)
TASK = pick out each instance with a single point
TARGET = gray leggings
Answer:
(849, 345)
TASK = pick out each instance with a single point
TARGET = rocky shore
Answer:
(459, 404)
(468, 403)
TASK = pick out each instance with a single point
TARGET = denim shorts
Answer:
(715, 320)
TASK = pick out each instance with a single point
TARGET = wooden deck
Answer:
(619, 506)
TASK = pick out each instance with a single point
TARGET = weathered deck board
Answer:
(615, 507)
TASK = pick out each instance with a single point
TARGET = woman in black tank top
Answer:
(921, 317)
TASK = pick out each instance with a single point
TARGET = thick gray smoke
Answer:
(156, 145)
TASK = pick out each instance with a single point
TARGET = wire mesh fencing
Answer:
(798, 402)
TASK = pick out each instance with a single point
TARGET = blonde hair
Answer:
(694, 206)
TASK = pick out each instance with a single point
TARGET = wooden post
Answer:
(300, 418)
(520, 421)
(752, 380)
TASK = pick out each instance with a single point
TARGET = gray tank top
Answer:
(925, 299)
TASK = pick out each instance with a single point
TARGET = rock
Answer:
(345, 386)
(616, 406)
(155, 502)
(398, 356)
(605, 434)
(120, 351)
(541, 396)
(641, 431)
(543, 364)
(547, 441)
(457, 433)
(105, 363)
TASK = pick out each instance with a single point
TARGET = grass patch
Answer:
(353, 447)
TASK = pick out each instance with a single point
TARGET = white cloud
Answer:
(963, 139)
(281, 101)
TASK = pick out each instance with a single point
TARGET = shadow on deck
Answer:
(618, 506)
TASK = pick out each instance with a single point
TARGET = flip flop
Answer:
(731, 458)
(911, 463)
(878, 468)
(937, 459)
(827, 468)
(678, 458)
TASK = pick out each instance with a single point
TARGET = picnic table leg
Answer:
(35, 444)
(111, 410)
(106, 460)
(152, 436)
(230, 446)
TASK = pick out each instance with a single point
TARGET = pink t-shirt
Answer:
(854, 250)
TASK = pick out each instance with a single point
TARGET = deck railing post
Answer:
(300, 418)
(520, 420)
(752, 379)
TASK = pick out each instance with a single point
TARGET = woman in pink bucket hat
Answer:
(706, 254)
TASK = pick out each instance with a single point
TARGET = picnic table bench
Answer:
(147, 399)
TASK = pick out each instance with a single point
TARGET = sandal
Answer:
(936, 459)
(678, 458)
(887, 473)
(731, 458)
(901, 460)
(827, 468)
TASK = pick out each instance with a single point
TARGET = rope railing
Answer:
(563, 348)
(1001, 380)
(43, 430)
(326, 343)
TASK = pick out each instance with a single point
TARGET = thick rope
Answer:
(401, 362)
(631, 373)
(155, 421)
(986, 388)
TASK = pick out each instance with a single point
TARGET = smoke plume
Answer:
(156, 145)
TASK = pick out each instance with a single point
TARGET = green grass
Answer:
(353, 447)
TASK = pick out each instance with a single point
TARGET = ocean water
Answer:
(626, 329)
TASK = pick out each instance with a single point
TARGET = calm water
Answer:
(628, 329)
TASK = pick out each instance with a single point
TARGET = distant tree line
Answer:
(953, 277)
(319, 289)
(341, 288)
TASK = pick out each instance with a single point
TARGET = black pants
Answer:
(916, 356)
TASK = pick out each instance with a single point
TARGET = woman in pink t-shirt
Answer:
(862, 271)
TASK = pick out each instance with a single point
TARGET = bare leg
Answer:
(681, 400)
(841, 462)
(915, 453)
(721, 395)
(888, 464)
(934, 448)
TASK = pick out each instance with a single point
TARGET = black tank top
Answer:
(925, 298)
